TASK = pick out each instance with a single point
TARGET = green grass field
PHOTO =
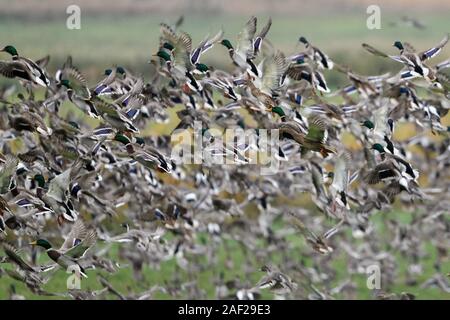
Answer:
(131, 40)
(231, 250)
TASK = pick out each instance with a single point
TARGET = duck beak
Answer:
(33, 243)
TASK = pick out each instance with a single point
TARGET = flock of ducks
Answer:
(97, 187)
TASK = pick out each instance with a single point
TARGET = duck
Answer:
(86, 105)
(278, 282)
(411, 59)
(115, 116)
(318, 243)
(248, 46)
(316, 55)
(176, 50)
(30, 121)
(78, 242)
(70, 77)
(380, 125)
(265, 88)
(313, 140)
(25, 272)
(339, 185)
(301, 70)
(366, 86)
(107, 86)
(149, 157)
(22, 68)
(392, 168)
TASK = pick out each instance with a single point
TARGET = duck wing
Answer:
(434, 51)
(75, 236)
(245, 38)
(80, 249)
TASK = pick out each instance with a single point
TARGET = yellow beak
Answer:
(33, 243)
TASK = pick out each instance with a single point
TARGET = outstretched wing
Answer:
(245, 38)
(432, 52)
(75, 236)
(260, 37)
(316, 129)
(341, 173)
(273, 69)
(13, 255)
(83, 246)
(204, 46)
(379, 53)
(11, 69)
(182, 49)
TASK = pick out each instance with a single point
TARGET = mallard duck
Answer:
(380, 125)
(108, 85)
(58, 196)
(30, 121)
(278, 282)
(149, 157)
(312, 141)
(301, 70)
(265, 87)
(410, 58)
(410, 22)
(367, 86)
(318, 243)
(13, 256)
(70, 77)
(83, 104)
(338, 188)
(248, 46)
(26, 272)
(5, 210)
(77, 243)
(114, 116)
(316, 55)
(23, 68)
(392, 168)
(176, 50)
(141, 238)
(272, 74)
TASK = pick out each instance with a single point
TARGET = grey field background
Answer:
(126, 33)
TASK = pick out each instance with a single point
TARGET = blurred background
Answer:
(127, 32)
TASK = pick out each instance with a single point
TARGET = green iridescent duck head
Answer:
(279, 111)
(368, 124)
(120, 70)
(168, 46)
(66, 83)
(163, 55)
(40, 180)
(398, 45)
(202, 67)
(378, 147)
(11, 50)
(140, 141)
(42, 243)
(122, 138)
(227, 44)
(303, 40)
